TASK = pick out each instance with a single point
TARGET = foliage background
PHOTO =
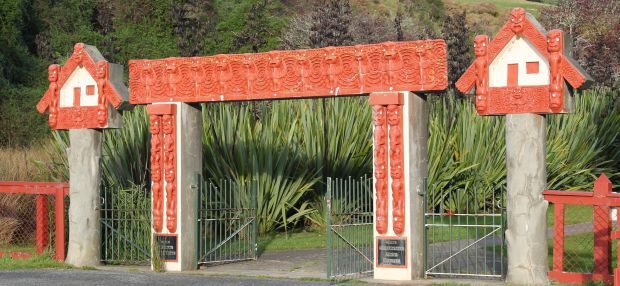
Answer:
(283, 143)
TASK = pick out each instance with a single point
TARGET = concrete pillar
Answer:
(526, 233)
(84, 179)
(415, 168)
(182, 255)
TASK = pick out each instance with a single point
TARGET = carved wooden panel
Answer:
(381, 168)
(395, 120)
(169, 130)
(156, 171)
(331, 71)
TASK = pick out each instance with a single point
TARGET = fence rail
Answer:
(40, 193)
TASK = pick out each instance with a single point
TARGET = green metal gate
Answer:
(227, 226)
(467, 242)
(125, 225)
(349, 220)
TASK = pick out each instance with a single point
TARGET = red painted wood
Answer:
(41, 211)
(513, 75)
(558, 237)
(380, 159)
(77, 93)
(331, 71)
(532, 67)
(170, 169)
(33, 188)
(59, 210)
(395, 121)
(515, 98)
(602, 198)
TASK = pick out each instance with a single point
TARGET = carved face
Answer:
(155, 174)
(516, 18)
(154, 124)
(52, 72)
(480, 45)
(393, 115)
(554, 41)
(396, 172)
(167, 124)
(102, 69)
(379, 115)
(380, 172)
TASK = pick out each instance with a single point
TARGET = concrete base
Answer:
(415, 144)
(189, 164)
(85, 178)
(526, 207)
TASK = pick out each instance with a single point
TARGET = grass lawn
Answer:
(37, 261)
(578, 253)
(574, 214)
(298, 239)
(452, 232)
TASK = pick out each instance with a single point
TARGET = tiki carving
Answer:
(156, 171)
(517, 15)
(53, 91)
(556, 83)
(168, 128)
(481, 64)
(394, 115)
(102, 103)
(381, 160)
(289, 74)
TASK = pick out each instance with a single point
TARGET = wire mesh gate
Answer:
(227, 226)
(349, 220)
(125, 225)
(469, 242)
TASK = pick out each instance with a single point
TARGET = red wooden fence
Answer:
(42, 190)
(602, 200)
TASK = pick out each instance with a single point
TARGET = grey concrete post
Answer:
(526, 235)
(84, 178)
(418, 171)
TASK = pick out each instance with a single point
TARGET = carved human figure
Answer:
(102, 103)
(277, 71)
(173, 78)
(332, 60)
(156, 188)
(148, 79)
(517, 16)
(394, 115)
(393, 63)
(481, 65)
(380, 161)
(170, 171)
(53, 91)
(78, 50)
(556, 83)
(225, 75)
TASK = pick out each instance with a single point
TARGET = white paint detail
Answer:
(78, 78)
(518, 51)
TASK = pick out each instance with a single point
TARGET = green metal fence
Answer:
(349, 220)
(466, 243)
(125, 225)
(227, 226)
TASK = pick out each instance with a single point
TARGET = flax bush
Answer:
(281, 144)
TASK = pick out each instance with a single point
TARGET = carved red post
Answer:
(168, 122)
(156, 171)
(102, 102)
(59, 212)
(395, 121)
(53, 72)
(558, 237)
(41, 223)
(381, 158)
(481, 43)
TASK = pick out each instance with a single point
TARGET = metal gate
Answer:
(349, 220)
(469, 242)
(227, 225)
(125, 225)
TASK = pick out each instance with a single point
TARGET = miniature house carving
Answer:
(85, 93)
(524, 69)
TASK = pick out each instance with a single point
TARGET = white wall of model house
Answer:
(519, 51)
(80, 86)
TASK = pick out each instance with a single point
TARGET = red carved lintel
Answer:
(331, 71)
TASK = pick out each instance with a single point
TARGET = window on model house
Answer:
(531, 67)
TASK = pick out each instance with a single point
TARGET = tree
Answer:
(192, 20)
(456, 35)
(331, 21)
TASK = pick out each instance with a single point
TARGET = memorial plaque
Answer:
(167, 247)
(392, 252)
